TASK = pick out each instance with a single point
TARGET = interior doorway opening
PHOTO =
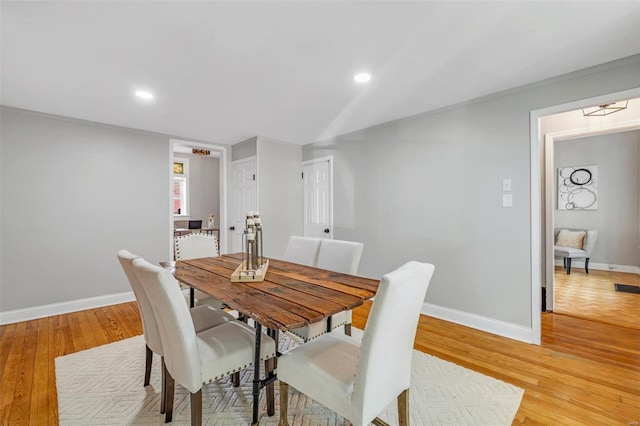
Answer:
(542, 169)
(207, 184)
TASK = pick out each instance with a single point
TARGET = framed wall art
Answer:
(578, 188)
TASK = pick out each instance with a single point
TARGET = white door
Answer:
(317, 178)
(243, 198)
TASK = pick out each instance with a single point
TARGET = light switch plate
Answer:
(507, 200)
(506, 184)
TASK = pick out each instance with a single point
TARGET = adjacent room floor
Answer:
(593, 296)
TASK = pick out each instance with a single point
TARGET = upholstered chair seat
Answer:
(359, 380)
(330, 362)
(313, 330)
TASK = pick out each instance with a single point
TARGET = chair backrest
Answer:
(384, 365)
(149, 325)
(590, 241)
(193, 246)
(302, 250)
(177, 331)
(340, 256)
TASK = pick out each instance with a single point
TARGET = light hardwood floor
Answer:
(585, 372)
(593, 296)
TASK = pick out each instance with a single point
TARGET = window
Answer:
(179, 195)
(181, 187)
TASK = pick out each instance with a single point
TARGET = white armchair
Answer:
(355, 380)
(575, 244)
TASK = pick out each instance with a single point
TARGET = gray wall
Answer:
(429, 188)
(204, 188)
(279, 193)
(73, 194)
(616, 218)
(244, 149)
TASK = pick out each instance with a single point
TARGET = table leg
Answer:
(256, 374)
(275, 335)
(270, 369)
(192, 297)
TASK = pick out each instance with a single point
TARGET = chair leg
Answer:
(171, 385)
(347, 329)
(568, 265)
(403, 408)
(271, 391)
(163, 387)
(235, 379)
(586, 265)
(147, 366)
(196, 408)
(284, 403)
(564, 261)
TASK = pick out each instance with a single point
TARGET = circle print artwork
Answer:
(580, 177)
(578, 188)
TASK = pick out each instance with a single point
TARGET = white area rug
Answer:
(103, 386)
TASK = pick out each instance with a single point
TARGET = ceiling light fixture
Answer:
(362, 77)
(143, 94)
(604, 109)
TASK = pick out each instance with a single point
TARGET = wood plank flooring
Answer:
(28, 349)
(593, 296)
(585, 372)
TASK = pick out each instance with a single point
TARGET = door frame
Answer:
(542, 215)
(224, 159)
(328, 158)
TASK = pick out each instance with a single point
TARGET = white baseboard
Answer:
(577, 263)
(490, 325)
(35, 312)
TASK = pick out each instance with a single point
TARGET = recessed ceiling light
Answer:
(362, 77)
(143, 94)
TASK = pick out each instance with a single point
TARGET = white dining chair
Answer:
(359, 380)
(302, 250)
(339, 256)
(191, 358)
(202, 317)
(194, 246)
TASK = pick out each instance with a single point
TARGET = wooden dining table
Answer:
(291, 296)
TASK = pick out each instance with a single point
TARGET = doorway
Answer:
(186, 149)
(542, 237)
(614, 151)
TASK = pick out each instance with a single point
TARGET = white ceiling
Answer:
(227, 71)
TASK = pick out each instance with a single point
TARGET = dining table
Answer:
(290, 296)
